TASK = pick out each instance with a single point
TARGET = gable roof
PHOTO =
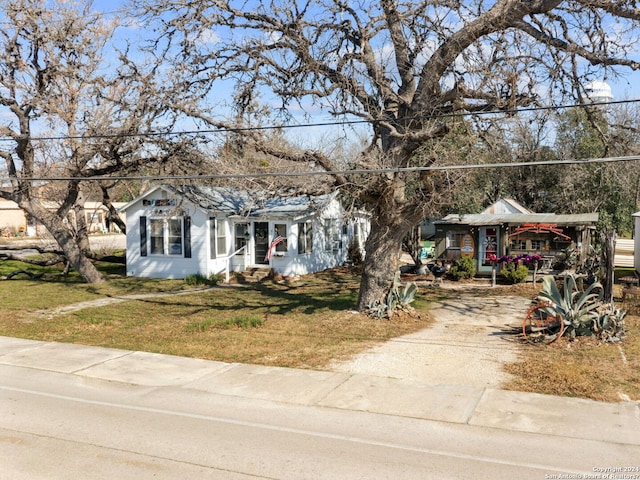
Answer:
(244, 203)
(506, 205)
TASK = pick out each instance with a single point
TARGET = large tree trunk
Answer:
(380, 265)
(81, 227)
(65, 240)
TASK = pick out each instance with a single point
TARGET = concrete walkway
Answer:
(602, 434)
(569, 417)
(463, 346)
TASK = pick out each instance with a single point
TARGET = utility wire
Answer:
(334, 172)
(317, 124)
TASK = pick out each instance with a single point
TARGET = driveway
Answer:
(464, 346)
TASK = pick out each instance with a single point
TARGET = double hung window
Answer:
(167, 236)
(332, 236)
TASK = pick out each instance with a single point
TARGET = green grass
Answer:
(306, 324)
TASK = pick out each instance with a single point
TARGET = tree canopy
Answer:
(73, 108)
(401, 66)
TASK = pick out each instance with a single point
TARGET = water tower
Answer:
(598, 91)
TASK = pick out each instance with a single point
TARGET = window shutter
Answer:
(143, 236)
(187, 237)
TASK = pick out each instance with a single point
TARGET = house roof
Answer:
(482, 219)
(243, 203)
(506, 205)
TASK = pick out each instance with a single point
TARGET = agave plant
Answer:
(578, 309)
(397, 298)
(610, 324)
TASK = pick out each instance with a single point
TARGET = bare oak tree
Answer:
(401, 66)
(72, 108)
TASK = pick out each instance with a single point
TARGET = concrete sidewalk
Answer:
(570, 418)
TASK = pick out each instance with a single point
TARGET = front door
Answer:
(261, 242)
(489, 245)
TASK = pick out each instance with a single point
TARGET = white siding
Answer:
(287, 263)
(164, 266)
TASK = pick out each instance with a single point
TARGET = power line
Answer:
(335, 172)
(316, 124)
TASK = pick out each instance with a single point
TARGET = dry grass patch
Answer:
(583, 368)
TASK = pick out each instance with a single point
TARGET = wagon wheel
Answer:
(542, 324)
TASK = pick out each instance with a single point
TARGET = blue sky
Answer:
(623, 88)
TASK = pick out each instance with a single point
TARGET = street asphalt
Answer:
(421, 430)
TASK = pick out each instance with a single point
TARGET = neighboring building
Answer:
(176, 231)
(598, 91)
(98, 220)
(623, 255)
(15, 222)
(508, 228)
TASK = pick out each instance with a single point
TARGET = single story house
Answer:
(174, 231)
(15, 222)
(98, 218)
(508, 228)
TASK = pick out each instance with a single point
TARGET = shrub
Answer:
(582, 311)
(464, 267)
(513, 272)
(200, 279)
(397, 299)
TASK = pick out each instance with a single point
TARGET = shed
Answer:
(511, 231)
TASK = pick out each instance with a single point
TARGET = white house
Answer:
(176, 231)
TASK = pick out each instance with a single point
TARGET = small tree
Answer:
(69, 117)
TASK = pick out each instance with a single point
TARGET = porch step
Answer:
(253, 274)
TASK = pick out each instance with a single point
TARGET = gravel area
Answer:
(465, 345)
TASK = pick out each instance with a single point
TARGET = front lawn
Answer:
(306, 324)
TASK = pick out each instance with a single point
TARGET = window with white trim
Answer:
(156, 236)
(241, 236)
(518, 244)
(221, 236)
(166, 236)
(454, 239)
(217, 237)
(537, 244)
(332, 237)
(281, 231)
(305, 237)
